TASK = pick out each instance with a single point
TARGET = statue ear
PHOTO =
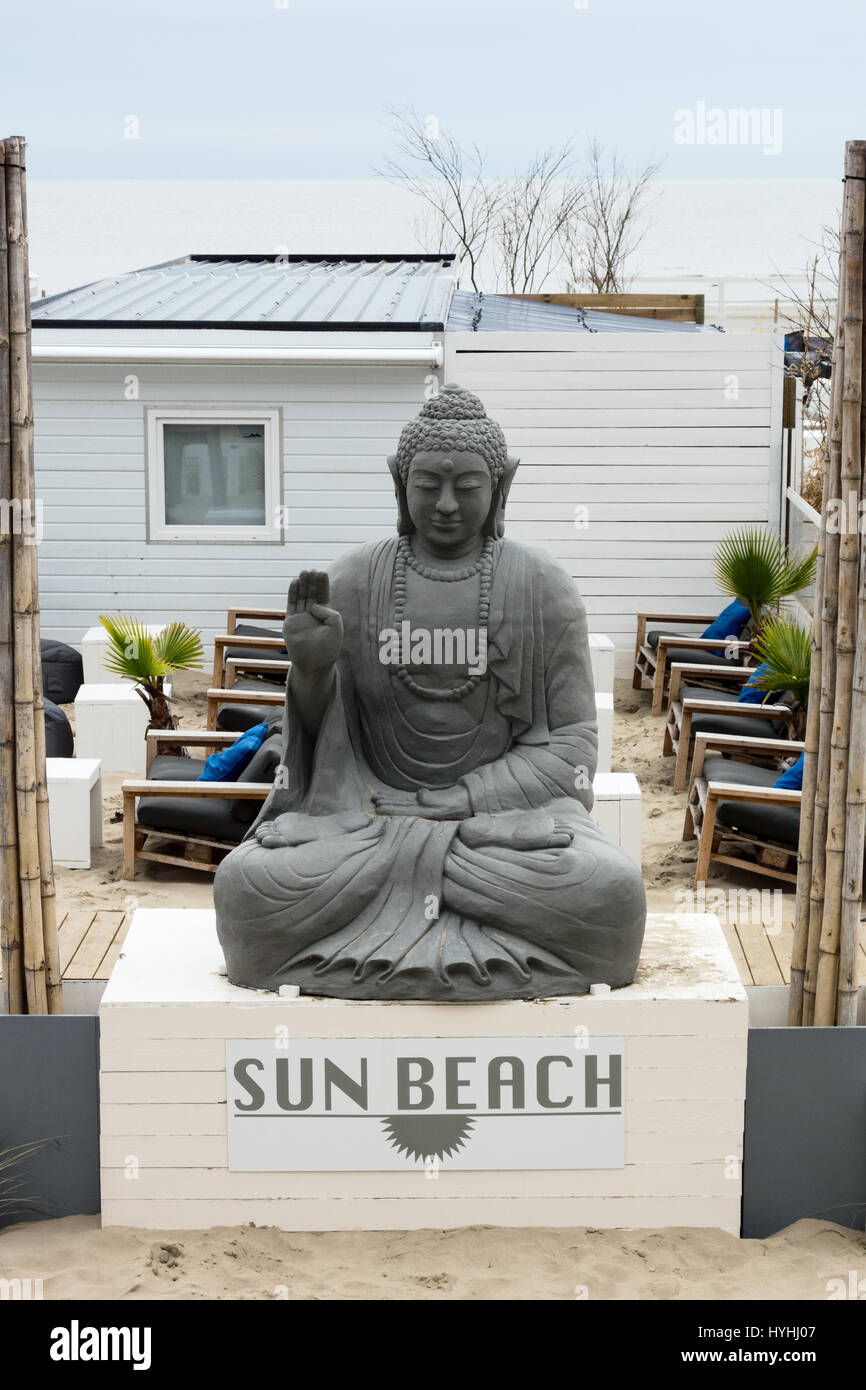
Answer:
(495, 524)
(404, 521)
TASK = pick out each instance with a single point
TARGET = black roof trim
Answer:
(258, 324)
(422, 257)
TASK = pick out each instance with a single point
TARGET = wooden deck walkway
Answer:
(763, 952)
(90, 943)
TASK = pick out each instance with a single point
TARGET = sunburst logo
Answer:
(420, 1137)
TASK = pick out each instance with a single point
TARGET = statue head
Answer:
(452, 471)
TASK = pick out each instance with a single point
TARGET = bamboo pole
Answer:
(54, 979)
(825, 619)
(23, 589)
(810, 771)
(849, 565)
(855, 818)
(810, 848)
(54, 974)
(10, 905)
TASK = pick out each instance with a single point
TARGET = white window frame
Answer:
(159, 529)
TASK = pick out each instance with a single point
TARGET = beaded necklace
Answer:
(483, 566)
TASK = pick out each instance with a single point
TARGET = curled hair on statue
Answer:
(454, 419)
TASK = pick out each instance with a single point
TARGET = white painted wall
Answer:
(639, 429)
(636, 427)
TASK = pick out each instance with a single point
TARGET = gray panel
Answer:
(49, 1089)
(805, 1146)
(492, 313)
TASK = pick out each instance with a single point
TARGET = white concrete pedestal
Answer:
(617, 810)
(604, 717)
(169, 1020)
(602, 653)
(74, 809)
(110, 724)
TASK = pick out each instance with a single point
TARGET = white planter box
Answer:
(168, 1013)
(617, 810)
(74, 809)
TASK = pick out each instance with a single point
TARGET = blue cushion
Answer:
(229, 763)
(752, 694)
(792, 778)
(730, 621)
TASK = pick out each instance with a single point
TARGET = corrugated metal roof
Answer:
(412, 293)
(364, 293)
(498, 313)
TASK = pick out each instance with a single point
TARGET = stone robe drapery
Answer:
(400, 907)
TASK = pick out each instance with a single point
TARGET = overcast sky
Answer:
(298, 88)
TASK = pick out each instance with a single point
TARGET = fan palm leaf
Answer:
(179, 648)
(131, 651)
(784, 646)
(755, 566)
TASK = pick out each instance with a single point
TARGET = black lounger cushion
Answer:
(168, 767)
(190, 815)
(780, 823)
(261, 768)
(259, 653)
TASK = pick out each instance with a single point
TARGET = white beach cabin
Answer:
(208, 427)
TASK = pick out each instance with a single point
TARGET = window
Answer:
(214, 475)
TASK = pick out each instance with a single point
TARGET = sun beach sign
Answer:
(388, 1104)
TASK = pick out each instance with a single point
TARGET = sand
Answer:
(77, 1260)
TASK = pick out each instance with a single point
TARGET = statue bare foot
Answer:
(516, 830)
(295, 828)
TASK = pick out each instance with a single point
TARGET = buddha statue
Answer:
(428, 834)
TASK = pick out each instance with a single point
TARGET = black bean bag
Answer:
(58, 733)
(62, 671)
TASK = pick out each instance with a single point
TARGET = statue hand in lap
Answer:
(433, 803)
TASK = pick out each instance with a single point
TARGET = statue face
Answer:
(448, 494)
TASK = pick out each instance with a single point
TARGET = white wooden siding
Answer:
(637, 429)
(338, 426)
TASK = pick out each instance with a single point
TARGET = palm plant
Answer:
(756, 567)
(784, 648)
(135, 653)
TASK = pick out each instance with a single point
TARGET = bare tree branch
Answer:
(461, 202)
(600, 241)
(534, 209)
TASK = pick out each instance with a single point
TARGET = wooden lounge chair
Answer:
(206, 818)
(693, 710)
(655, 651)
(250, 644)
(240, 706)
(735, 812)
